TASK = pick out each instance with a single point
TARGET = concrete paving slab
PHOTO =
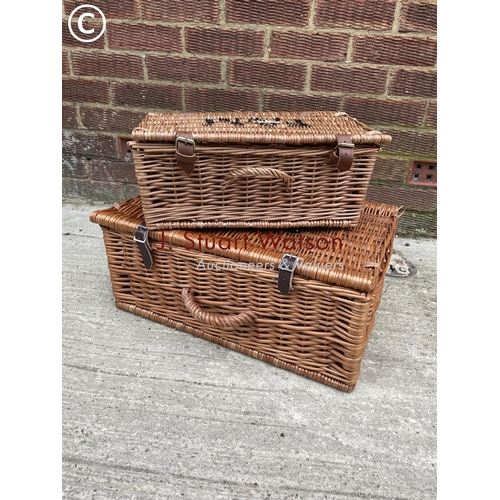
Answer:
(150, 412)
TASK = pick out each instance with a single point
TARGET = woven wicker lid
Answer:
(356, 258)
(279, 127)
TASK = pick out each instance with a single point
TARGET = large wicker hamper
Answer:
(260, 170)
(246, 289)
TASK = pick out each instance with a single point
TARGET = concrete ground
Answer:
(150, 412)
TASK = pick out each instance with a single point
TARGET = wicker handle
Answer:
(213, 319)
(258, 172)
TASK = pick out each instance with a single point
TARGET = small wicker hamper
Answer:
(258, 170)
(303, 300)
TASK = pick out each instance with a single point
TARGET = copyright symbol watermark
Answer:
(82, 16)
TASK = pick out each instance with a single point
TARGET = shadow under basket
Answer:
(303, 300)
(258, 170)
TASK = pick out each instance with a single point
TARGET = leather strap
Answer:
(141, 238)
(185, 148)
(285, 275)
(342, 156)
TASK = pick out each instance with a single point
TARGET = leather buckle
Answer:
(185, 151)
(286, 268)
(288, 263)
(141, 230)
(186, 141)
(141, 238)
(343, 154)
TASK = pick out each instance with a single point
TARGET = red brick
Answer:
(421, 200)
(349, 79)
(107, 64)
(74, 166)
(266, 74)
(276, 12)
(225, 42)
(85, 91)
(144, 37)
(321, 46)
(69, 117)
(69, 40)
(412, 142)
(112, 9)
(182, 10)
(183, 69)
(368, 14)
(418, 17)
(65, 63)
(394, 50)
(116, 120)
(416, 225)
(111, 170)
(147, 96)
(431, 117)
(405, 112)
(86, 190)
(203, 99)
(306, 102)
(390, 169)
(77, 143)
(413, 83)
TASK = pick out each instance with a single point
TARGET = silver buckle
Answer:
(145, 234)
(288, 263)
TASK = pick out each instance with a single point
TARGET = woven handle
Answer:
(213, 319)
(258, 172)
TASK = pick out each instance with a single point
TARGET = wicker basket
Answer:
(260, 170)
(241, 289)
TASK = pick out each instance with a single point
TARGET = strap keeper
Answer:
(342, 155)
(185, 151)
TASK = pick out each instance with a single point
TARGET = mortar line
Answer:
(307, 84)
(222, 13)
(70, 62)
(267, 44)
(261, 100)
(223, 69)
(397, 15)
(312, 13)
(350, 48)
(424, 119)
(388, 79)
(145, 75)
(183, 41)
(79, 117)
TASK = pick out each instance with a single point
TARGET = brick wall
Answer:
(374, 59)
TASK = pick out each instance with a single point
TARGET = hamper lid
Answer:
(355, 258)
(271, 127)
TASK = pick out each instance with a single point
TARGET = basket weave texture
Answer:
(260, 170)
(222, 286)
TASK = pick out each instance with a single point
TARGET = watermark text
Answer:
(84, 12)
(270, 240)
